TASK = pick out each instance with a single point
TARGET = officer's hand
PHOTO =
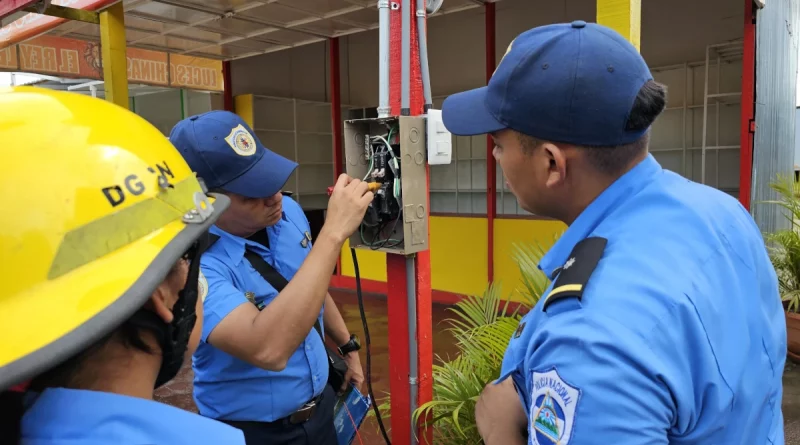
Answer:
(499, 414)
(346, 207)
(355, 374)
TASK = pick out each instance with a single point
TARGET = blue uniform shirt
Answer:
(679, 337)
(60, 416)
(231, 389)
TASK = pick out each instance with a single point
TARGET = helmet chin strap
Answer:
(173, 338)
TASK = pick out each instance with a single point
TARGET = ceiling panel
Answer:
(175, 13)
(234, 25)
(331, 26)
(275, 13)
(199, 34)
(229, 29)
(289, 37)
(320, 6)
(221, 5)
(365, 16)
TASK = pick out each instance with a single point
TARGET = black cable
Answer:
(369, 355)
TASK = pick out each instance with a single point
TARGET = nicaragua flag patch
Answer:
(552, 414)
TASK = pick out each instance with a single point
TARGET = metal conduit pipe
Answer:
(405, 63)
(423, 55)
(383, 58)
(413, 370)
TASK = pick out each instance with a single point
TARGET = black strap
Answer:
(272, 276)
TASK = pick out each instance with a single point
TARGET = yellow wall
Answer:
(458, 256)
(507, 233)
(243, 106)
(459, 253)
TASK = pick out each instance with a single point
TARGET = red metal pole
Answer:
(748, 105)
(227, 94)
(491, 165)
(399, 360)
(336, 117)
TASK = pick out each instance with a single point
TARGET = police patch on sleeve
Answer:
(552, 414)
(202, 286)
(241, 141)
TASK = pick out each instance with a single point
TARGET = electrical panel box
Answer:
(392, 152)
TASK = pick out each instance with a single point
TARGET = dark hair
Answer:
(612, 160)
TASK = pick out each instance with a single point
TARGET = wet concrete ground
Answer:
(179, 391)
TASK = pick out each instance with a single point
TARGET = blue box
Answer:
(348, 414)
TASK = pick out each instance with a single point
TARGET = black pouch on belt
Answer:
(337, 367)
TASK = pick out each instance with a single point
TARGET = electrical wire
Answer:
(367, 339)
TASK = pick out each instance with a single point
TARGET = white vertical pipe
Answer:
(716, 138)
(423, 55)
(705, 124)
(296, 154)
(405, 63)
(383, 58)
(685, 113)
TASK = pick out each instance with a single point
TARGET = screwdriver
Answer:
(371, 186)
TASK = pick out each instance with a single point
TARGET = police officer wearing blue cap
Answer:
(261, 365)
(663, 323)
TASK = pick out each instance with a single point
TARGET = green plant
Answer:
(784, 245)
(482, 326)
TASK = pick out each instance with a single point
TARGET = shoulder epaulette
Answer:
(575, 273)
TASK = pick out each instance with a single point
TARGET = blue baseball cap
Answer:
(222, 149)
(572, 82)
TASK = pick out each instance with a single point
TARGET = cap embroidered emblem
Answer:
(241, 141)
(508, 50)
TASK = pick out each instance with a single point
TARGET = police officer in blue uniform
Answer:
(663, 323)
(261, 365)
(100, 303)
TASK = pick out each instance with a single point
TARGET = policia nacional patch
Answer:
(575, 272)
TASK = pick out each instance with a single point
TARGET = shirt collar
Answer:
(235, 245)
(59, 414)
(611, 198)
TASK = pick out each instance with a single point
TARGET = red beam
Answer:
(491, 165)
(227, 94)
(31, 25)
(8, 7)
(399, 360)
(748, 105)
(336, 116)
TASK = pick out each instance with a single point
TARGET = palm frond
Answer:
(784, 245)
(482, 327)
(535, 282)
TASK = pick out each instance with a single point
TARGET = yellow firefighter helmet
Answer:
(97, 207)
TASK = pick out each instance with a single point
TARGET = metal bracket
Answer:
(202, 211)
(44, 7)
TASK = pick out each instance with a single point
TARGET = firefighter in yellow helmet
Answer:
(103, 224)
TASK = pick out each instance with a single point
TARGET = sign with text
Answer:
(195, 72)
(59, 56)
(31, 24)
